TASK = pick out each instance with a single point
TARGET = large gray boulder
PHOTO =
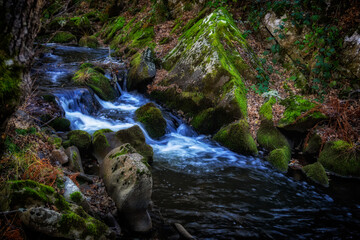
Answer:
(128, 181)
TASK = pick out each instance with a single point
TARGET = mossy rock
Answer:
(136, 138)
(316, 172)
(63, 37)
(280, 158)
(153, 120)
(89, 41)
(236, 137)
(96, 80)
(295, 107)
(265, 110)
(206, 62)
(269, 137)
(80, 139)
(60, 124)
(100, 143)
(341, 158)
(313, 146)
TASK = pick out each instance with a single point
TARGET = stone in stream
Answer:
(105, 140)
(142, 71)
(128, 181)
(152, 118)
(316, 172)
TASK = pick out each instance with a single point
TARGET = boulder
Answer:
(59, 155)
(60, 124)
(236, 136)
(316, 172)
(105, 141)
(74, 157)
(142, 71)
(64, 37)
(313, 146)
(152, 119)
(94, 78)
(341, 158)
(280, 158)
(206, 73)
(80, 139)
(128, 182)
(73, 194)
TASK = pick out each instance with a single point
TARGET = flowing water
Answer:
(213, 192)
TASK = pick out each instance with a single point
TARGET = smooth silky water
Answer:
(213, 192)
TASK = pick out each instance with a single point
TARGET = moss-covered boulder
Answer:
(142, 71)
(316, 172)
(64, 37)
(280, 158)
(80, 139)
(78, 25)
(75, 163)
(60, 124)
(236, 137)
(94, 78)
(105, 140)
(89, 41)
(341, 157)
(66, 221)
(152, 118)
(295, 107)
(206, 71)
(269, 137)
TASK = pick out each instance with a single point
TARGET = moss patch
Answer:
(236, 137)
(269, 137)
(95, 79)
(89, 41)
(313, 145)
(80, 139)
(316, 172)
(280, 158)
(152, 118)
(76, 197)
(63, 37)
(341, 158)
(265, 110)
(100, 141)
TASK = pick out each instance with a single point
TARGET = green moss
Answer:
(112, 28)
(60, 124)
(86, 65)
(152, 118)
(60, 203)
(316, 172)
(265, 110)
(80, 139)
(341, 158)
(89, 41)
(76, 197)
(96, 80)
(236, 137)
(295, 107)
(63, 37)
(269, 137)
(280, 158)
(100, 141)
(313, 145)
(71, 220)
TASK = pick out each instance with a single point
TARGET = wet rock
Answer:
(236, 136)
(142, 71)
(74, 157)
(58, 155)
(280, 158)
(73, 194)
(152, 118)
(64, 37)
(105, 141)
(313, 146)
(129, 183)
(316, 172)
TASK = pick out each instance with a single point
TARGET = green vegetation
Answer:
(95, 79)
(89, 41)
(100, 141)
(265, 110)
(280, 158)
(80, 139)
(236, 137)
(316, 172)
(76, 197)
(341, 158)
(269, 137)
(152, 118)
(63, 37)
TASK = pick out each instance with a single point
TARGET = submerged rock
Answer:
(152, 118)
(206, 71)
(236, 136)
(142, 71)
(316, 172)
(341, 158)
(129, 183)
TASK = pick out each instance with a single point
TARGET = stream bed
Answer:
(213, 192)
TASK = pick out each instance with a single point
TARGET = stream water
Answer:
(213, 192)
